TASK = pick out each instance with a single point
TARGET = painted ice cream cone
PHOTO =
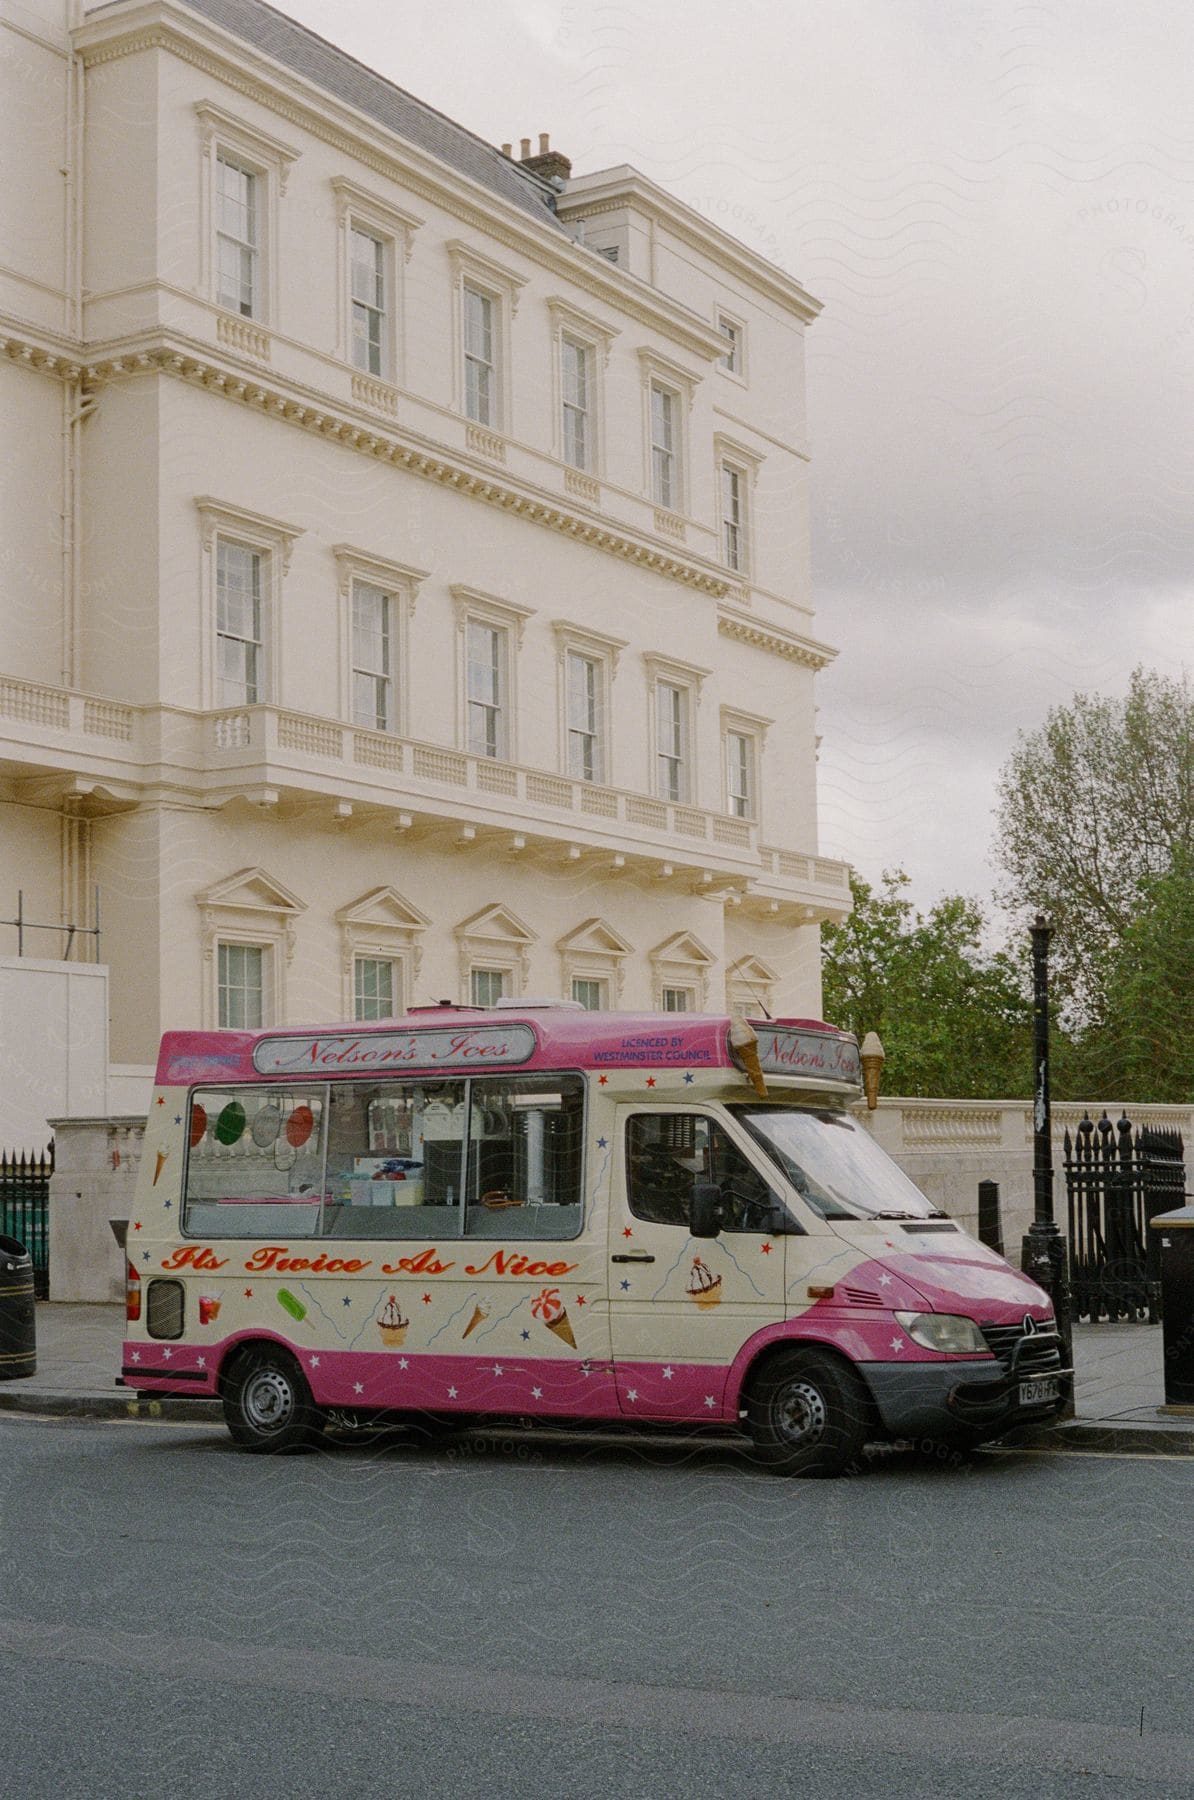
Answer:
(391, 1325)
(703, 1285)
(479, 1313)
(548, 1306)
(744, 1044)
(562, 1329)
(160, 1165)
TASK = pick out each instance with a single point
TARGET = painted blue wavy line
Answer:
(674, 1267)
(758, 1290)
(837, 1257)
(374, 1307)
(484, 1330)
(470, 1301)
(305, 1291)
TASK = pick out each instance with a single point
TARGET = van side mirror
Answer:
(704, 1210)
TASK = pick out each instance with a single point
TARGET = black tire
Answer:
(267, 1404)
(808, 1414)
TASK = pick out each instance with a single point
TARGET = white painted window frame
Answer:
(470, 268)
(568, 322)
(270, 160)
(738, 374)
(473, 606)
(383, 959)
(401, 582)
(604, 650)
(754, 728)
(664, 671)
(358, 209)
(274, 541)
(229, 940)
(398, 941)
(728, 453)
(583, 960)
(661, 372)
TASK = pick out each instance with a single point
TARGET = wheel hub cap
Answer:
(800, 1413)
(268, 1400)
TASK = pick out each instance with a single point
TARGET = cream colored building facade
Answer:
(405, 586)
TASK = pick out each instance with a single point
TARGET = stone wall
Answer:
(948, 1146)
(95, 1174)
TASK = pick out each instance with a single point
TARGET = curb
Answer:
(113, 1406)
(1108, 1435)
(1074, 1435)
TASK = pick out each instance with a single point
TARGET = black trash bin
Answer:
(18, 1328)
(1175, 1241)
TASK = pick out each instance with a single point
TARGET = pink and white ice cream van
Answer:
(566, 1215)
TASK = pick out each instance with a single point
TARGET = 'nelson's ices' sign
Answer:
(817, 1053)
(355, 1053)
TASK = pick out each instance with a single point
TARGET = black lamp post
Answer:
(1044, 1250)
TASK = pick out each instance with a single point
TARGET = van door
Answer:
(681, 1307)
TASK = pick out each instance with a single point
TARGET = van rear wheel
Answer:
(808, 1414)
(268, 1405)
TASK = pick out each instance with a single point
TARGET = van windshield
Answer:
(835, 1164)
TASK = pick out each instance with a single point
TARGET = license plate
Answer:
(1038, 1393)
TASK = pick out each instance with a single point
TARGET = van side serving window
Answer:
(667, 1154)
(418, 1159)
(255, 1163)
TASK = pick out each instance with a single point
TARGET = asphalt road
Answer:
(530, 1618)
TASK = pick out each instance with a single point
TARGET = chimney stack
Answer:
(550, 164)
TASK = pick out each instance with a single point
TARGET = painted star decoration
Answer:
(402, 1363)
(897, 1343)
(358, 1387)
(536, 1393)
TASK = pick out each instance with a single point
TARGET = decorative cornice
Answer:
(776, 641)
(105, 38)
(394, 577)
(220, 515)
(474, 603)
(218, 125)
(352, 198)
(187, 360)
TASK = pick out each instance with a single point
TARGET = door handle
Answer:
(641, 1256)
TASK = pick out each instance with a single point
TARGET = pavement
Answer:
(1119, 1386)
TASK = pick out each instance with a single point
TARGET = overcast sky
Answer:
(996, 205)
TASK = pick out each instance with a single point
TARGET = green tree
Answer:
(954, 1017)
(1143, 1047)
(1095, 808)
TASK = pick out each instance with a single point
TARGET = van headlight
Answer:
(947, 1332)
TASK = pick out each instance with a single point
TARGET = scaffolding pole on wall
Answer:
(21, 925)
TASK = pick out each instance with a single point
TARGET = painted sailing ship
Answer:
(703, 1285)
(391, 1324)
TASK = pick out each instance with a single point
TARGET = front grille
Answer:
(1031, 1353)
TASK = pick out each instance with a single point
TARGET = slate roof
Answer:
(339, 74)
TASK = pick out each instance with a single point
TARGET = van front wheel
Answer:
(267, 1403)
(808, 1414)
